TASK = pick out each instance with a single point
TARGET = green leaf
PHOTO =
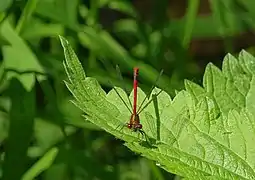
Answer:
(203, 132)
(26, 15)
(19, 60)
(22, 115)
(61, 11)
(5, 4)
(189, 22)
(47, 135)
(123, 6)
(38, 29)
(126, 25)
(3, 126)
(73, 116)
(41, 165)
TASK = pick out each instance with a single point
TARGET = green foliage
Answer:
(44, 136)
(12, 54)
(203, 132)
(20, 131)
(44, 163)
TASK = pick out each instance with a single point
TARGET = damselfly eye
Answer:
(129, 126)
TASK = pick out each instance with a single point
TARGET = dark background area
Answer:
(36, 115)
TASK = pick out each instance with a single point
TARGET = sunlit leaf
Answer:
(203, 133)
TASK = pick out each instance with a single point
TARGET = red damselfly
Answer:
(134, 123)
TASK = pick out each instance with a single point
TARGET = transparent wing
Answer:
(122, 83)
(141, 107)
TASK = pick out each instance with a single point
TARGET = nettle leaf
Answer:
(203, 133)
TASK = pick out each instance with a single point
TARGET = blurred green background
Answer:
(42, 135)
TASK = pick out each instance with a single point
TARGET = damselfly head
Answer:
(134, 123)
(136, 71)
(134, 127)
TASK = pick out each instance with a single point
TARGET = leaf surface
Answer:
(202, 133)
